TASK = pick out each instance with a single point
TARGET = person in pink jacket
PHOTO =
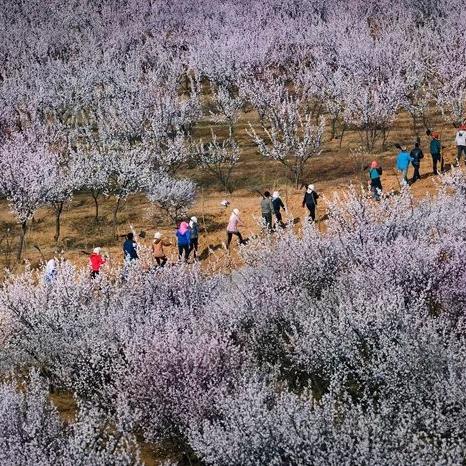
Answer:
(232, 228)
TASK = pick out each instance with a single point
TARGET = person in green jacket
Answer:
(436, 152)
(375, 172)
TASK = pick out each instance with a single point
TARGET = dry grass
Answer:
(332, 171)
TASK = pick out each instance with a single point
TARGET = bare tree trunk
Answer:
(415, 125)
(297, 176)
(58, 212)
(115, 213)
(334, 127)
(343, 130)
(22, 240)
(96, 203)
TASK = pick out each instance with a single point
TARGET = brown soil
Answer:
(334, 170)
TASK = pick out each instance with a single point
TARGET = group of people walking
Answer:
(413, 157)
(271, 206)
(187, 235)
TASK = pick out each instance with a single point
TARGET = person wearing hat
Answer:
(375, 171)
(194, 227)
(96, 261)
(461, 143)
(402, 164)
(436, 152)
(416, 154)
(232, 228)
(277, 206)
(310, 201)
(157, 249)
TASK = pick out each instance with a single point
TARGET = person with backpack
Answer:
(461, 143)
(267, 210)
(310, 201)
(96, 261)
(375, 172)
(194, 244)
(232, 228)
(183, 235)
(158, 249)
(277, 206)
(416, 156)
(436, 152)
(402, 164)
(130, 249)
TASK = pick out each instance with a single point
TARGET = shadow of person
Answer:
(208, 250)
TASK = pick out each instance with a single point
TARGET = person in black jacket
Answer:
(277, 206)
(310, 201)
(416, 155)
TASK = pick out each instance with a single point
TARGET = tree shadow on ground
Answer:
(210, 223)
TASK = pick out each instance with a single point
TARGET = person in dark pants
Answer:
(130, 249)
(232, 228)
(310, 201)
(158, 249)
(267, 210)
(194, 244)
(416, 155)
(183, 235)
(374, 180)
(277, 206)
(436, 152)
(461, 143)
(96, 261)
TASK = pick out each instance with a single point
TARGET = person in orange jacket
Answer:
(158, 249)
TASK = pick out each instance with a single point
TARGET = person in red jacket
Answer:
(96, 261)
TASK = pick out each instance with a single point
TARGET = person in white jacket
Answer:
(461, 143)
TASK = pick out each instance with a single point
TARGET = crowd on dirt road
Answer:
(186, 238)
(413, 157)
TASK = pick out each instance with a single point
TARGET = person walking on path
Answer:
(436, 152)
(232, 228)
(310, 201)
(183, 235)
(50, 271)
(375, 183)
(96, 261)
(194, 243)
(130, 249)
(267, 210)
(416, 155)
(277, 206)
(402, 164)
(158, 249)
(461, 143)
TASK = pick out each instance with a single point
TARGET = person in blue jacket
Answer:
(130, 248)
(183, 235)
(402, 164)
